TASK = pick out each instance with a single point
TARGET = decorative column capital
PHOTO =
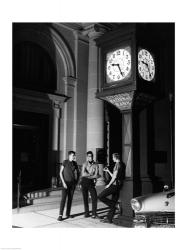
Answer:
(57, 104)
(70, 81)
(57, 108)
(94, 31)
(57, 99)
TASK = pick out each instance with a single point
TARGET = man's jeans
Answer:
(67, 193)
(114, 191)
(88, 185)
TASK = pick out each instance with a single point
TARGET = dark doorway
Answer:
(30, 151)
(114, 132)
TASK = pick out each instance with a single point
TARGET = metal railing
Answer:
(18, 190)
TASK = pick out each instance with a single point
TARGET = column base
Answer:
(123, 221)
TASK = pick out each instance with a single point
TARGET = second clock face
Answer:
(118, 65)
(146, 65)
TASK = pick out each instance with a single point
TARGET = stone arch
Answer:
(48, 38)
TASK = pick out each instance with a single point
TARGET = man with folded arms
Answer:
(88, 180)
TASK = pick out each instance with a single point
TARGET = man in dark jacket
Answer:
(69, 175)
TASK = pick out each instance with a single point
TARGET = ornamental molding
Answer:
(71, 26)
(36, 97)
(89, 31)
(70, 81)
(122, 101)
(94, 31)
(57, 104)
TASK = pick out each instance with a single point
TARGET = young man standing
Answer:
(113, 188)
(89, 175)
(69, 175)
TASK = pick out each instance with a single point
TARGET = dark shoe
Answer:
(95, 217)
(106, 220)
(86, 215)
(69, 216)
(60, 218)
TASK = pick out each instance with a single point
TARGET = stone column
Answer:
(55, 126)
(57, 132)
(55, 143)
(69, 117)
(60, 129)
(95, 107)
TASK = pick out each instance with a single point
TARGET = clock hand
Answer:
(120, 69)
(117, 64)
(149, 71)
(147, 65)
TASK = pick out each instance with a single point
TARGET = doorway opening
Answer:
(113, 132)
(30, 151)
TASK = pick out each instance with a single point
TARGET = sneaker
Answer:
(86, 215)
(60, 218)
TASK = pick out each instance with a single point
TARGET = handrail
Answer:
(18, 191)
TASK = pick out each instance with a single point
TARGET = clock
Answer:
(146, 65)
(118, 65)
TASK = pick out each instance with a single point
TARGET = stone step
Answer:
(49, 199)
(48, 206)
(56, 193)
(36, 207)
(52, 200)
(44, 194)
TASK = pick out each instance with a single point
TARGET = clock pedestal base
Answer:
(123, 221)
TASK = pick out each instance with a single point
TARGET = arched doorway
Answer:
(33, 68)
(41, 62)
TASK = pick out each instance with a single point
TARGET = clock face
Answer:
(146, 65)
(118, 65)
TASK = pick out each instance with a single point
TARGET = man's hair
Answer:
(71, 152)
(90, 153)
(116, 155)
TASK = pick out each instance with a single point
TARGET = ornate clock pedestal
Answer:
(135, 115)
(135, 69)
(133, 107)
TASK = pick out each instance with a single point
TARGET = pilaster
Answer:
(95, 107)
(69, 125)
